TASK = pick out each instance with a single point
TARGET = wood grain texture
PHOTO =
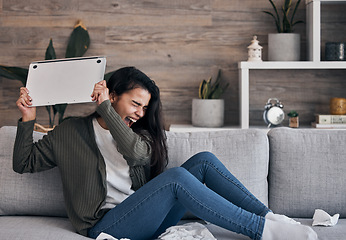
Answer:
(178, 43)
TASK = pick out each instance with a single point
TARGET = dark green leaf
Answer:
(50, 52)
(294, 11)
(286, 25)
(287, 6)
(277, 22)
(79, 42)
(297, 22)
(207, 89)
(277, 19)
(108, 75)
(15, 73)
(60, 108)
(217, 93)
(51, 120)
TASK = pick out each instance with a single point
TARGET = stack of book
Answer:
(329, 121)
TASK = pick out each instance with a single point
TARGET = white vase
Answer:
(284, 47)
(208, 112)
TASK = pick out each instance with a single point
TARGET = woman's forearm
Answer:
(137, 151)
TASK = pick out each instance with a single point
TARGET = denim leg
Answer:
(207, 168)
(142, 214)
(172, 218)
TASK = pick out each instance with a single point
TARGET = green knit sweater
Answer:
(71, 147)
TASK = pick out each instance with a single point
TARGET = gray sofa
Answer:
(295, 171)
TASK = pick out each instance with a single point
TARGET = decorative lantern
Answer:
(255, 51)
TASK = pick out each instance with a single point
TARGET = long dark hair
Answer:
(128, 78)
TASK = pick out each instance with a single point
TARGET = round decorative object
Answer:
(337, 106)
(335, 51)
(273, 114)
(254, 51)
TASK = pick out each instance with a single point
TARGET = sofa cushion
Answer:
(244, 152)
(27, 194)
(307, 171)
(37, 227)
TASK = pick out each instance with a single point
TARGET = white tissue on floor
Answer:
(321, 218)
(105, 236)
(188, 231)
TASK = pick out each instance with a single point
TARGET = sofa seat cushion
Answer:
(27, 194)
(324, 233)
(336, 232)
(35, 227)
(307, 171)
(244, 152)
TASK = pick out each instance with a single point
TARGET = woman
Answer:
(112, 163)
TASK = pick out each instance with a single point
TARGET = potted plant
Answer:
(77, 45)
(285, 44)
(208, 109)
(293, 119)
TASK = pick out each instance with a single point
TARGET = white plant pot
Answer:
(208, 112)
(284, 47)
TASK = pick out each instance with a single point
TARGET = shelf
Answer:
(313, 27)
(190, 128)
(244, 79)
(293, 65)
(313, 31)
(324, 1)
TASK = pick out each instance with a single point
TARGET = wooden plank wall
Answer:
(177, 43)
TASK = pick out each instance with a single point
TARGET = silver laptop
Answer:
(69, 80)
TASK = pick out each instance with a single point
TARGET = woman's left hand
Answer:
(100, 92)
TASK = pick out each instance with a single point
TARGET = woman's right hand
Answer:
(100, 92)
(24, 105)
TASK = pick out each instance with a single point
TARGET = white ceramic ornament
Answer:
(254, 51)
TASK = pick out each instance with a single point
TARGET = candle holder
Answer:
(254, 51)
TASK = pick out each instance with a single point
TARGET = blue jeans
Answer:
(202, 185)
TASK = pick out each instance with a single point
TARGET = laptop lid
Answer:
(69, 80)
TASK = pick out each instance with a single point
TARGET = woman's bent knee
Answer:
(199, 158)
(205, 154)
(176, 172)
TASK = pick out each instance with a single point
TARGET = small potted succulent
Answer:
(208, 109)
(293, 119)
(285, 44)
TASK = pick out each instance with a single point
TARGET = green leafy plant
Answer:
(209, 90)
(292, 114)
(77, 45)
(287, 23)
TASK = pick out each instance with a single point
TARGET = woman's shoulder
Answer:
(72, 119)
(74, 123)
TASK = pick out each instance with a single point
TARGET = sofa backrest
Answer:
(27, 194)
(307, 171)
(244, 152)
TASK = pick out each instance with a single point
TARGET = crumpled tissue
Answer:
(105, 236)
(188, 231)
(321, 218)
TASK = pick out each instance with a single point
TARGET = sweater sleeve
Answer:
(29, 156)
(136, 149)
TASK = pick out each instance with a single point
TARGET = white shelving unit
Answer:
(313, 16)
(313, 27)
